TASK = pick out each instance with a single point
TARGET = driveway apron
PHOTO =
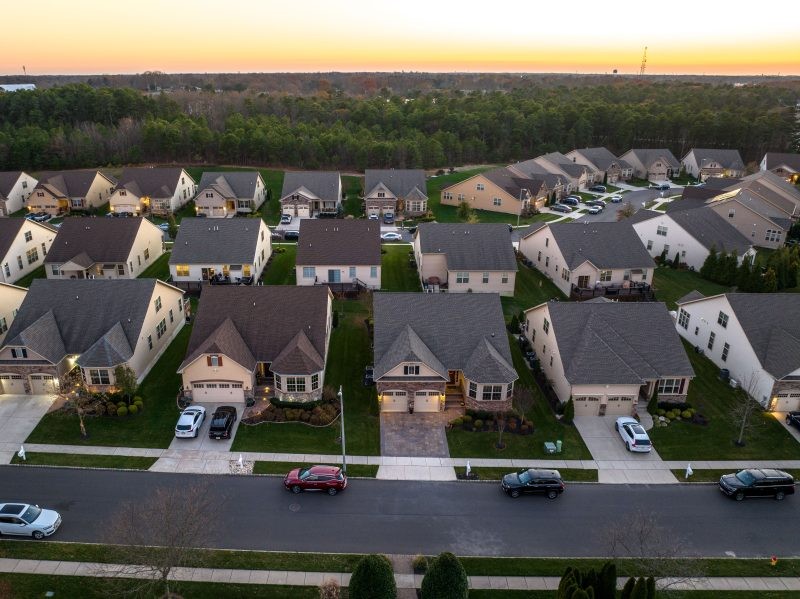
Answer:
(19, 415)
(414, 435)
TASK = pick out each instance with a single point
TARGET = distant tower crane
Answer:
(644, 63)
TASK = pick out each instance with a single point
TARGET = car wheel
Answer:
(296, 489)
(779, 495)
(38, 535)
(552, 494)
(332, 491)
(628, 445)
(616, 426)
(739, 496)
(514, 493)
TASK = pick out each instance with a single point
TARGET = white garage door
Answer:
(787, 402)
(218, 391)
(43, 384)
(586, 406)
(426, 401)
(12, 384)
(619, 406)
(303, 212)
(394, 401)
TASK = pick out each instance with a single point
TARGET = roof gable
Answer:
(71, 184)
(605, 245)
(325, 185)
(154, 182)
(231, 184)
(399, 181)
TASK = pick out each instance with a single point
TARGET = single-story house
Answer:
(391, 192)
(23, 245)
(702, 163)
(786, 166)
(602, 354)
(310, 193)
(247, 341)
(152, 190)
(228, 193)
(428, 346)
(61, 192)
(652, 164)
(580, 176)
(556, 185)
(11, 297)
(94, 326)
(601, 160)
(15, 187)
(497, 190)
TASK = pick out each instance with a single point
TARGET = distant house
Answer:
(17, 87)
(339, 252)
(702, 163)
(310, 193)
(601, 160)
(783, 165)
(15, 187)
(587, 260)
(555, 185)
(497, 190)
(271, 337)
(429, 346)
(754, 336)
(580, 176)
(62, 192)
(226, 194)
(152, 190)
(23, 245)
(652, 164)
(94, 326)
(103, 248)
(11, 297)
(464, 258)
(389, 192)
(602, 354)
(227, 251)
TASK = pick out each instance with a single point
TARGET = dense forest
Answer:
(78, 125)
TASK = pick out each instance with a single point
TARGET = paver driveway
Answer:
(414, 435)
(202, 442)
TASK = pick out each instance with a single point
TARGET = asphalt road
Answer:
(411, 517)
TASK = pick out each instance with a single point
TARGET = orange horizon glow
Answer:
(207, 36)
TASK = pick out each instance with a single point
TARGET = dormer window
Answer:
(122, 192)
(381, 194)
(411, 370)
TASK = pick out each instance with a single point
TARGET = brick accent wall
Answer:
(26, 370)
(503, 405)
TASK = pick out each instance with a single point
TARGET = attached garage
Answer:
(787, 402)
(218, 391)
(394, 401)
(12, 384)
(43, 384)
(426, 401)
(587, 406)
(619, 406)
(303, 212)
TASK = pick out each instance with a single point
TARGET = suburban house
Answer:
(339, 252)
(463, 258)
(497, 190)
(783, 165)
(601, 160)
(604, 356)
(589, 260)
(702, 163)
(431, 347)
(226, 194)
(580, 176)
(392, 192)
(755, 337)
(652, 164)
(251, 342)
(152, 190)
(61, 192)
(103, 248)
(85, 329)
(11, 297)
(15, 187)
(23, 245)
(690, 234)
(555, 186)
(310, 193)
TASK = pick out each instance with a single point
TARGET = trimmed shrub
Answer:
(445, 579)
(139, 405)
(467, 419)
(133, 410)
(111, 409)
(122, 404)
(420, 564)
(661, 411)
(686, 414)
(569, 412)
(457, 421)
(373, 578)
(122, 411)
(478, 425)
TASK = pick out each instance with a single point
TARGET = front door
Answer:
(334, 275)
(207, 273)
(583, 281)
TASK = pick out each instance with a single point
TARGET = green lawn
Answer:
(281, 269)
(767, 440)
(353, 187)
(672, 284)
(38, 273)
(85, 460)
(568, 474)
(153, 427)
(353, 470)
(712, 476)
(348, 354)
(396, 273)
(531, 288)
(158, 269)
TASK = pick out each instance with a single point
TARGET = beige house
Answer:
(393, 192)
(652, 164)
(226, 194)
(601, 160)
(11, 298)
(85, 329)
(462, 258)
(152, 190)
(702, 163)
(596, 353)
(250, 342)
(307, 194)
(103, 248)
(786, 166)
(62, 192)
(344, 254)
(497, 190)
(15, 187)
(556, 186)
(24, 243)
(580, 176)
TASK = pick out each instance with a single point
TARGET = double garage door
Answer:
(591, 406)
(787, 402)
(41, 384)
(397, 401)
(222, 391)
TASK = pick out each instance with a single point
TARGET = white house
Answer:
(152, 190)
(11, 297)
(702, 163)
(23, 245)
(62, 192)
(15, 187)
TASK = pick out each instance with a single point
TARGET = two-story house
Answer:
(11, 297)
(652, 164)
(310, 193)
(786, 166)
(702, 163)
(62, 192)
(498, 190)
(601, 160)
(580, 176)
(23, 245)
(15, 187)
(555, 186)
(391, 192)
(152, 190)
(228, 193)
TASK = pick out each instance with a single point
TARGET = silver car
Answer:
(633, 434)
(26, 520)
(190, 421)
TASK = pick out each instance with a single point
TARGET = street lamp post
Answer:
(341, 418)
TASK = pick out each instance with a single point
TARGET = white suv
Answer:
(26, 520)
(633, 434)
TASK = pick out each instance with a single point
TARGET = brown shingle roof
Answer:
(339, 241)
(101, 239)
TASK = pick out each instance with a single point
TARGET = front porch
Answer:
(632, 292)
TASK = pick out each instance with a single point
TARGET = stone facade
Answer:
(503, 405)
(25, 370)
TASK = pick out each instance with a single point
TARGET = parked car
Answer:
(222, 421)
(533, 480)
(369, 374)
(388, 219)
(574, 197)
(633, 434)
(39, 217)
(291, 235)
(757, 482)
(793, 419)
(27, 520)
(163, 226)
(616, 199)
(412, 230)
(391, 236)
(594, 210)
(329, 479)
(600, 188)
(599, 203)
(190, 421)
(571, 201)
(660, 186)
(372, 217)
(561, 208)
(286, 219)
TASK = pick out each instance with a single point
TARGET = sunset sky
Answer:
(102, 36)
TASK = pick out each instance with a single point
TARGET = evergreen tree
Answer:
(731, 263)
(676, 261)
(373, 578)
(743, 275)
(709, 267)
(569, 412)
(445, 579)
(769, 284)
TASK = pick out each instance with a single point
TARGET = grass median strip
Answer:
(85, 460)
(568, 474)
(359, 470)
(712, 476)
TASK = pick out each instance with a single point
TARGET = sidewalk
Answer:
(404, 581)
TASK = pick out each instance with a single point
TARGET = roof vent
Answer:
(77, 297)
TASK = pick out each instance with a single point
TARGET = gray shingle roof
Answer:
(514, 185)
(100, 239)
(773, 189)
(533, 170)
(230, 184)
(323, 184)
(110, 350)
(71, 184)
(399, 181)
(647, 156)
(485, 246)
(602, 158)
(776, 159)
(299, 357)
(346, 242)
(602, 343)
(215, 241)
(726, 157)
(156, 182)
(8, 180)
(446, 331)
(707, 227)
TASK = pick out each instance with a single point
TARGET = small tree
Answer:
(464, 211)
(373, 578)
(663, 257)
(626, 211)
(126, 381)
(522, 402)
(513, 326)
(709, 264)
(172, 226)
(744, 408)
(569, 412)
(590, 583)
(652, 405)
(676, 261)
(445, 579)
(330, 589)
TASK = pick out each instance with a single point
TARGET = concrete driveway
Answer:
(202, 442)
(19, 415)
(781, 417)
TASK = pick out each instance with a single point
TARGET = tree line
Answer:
(777, 272)
(80, 126)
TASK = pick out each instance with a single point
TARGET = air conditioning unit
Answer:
(734, 383)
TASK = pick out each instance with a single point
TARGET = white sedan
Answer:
(633, 434)
(391, 236)
(190, 421)
(26, 520)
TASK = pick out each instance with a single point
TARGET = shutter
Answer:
(219, 361)
(208, 360)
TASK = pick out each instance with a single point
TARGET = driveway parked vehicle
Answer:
(190, 421)
(27, 520)
(561, 208)
(373, 217)
(329, 479)
(615, 199)
(659, 186)
(533, 480)
(600, 188)
(571, 201)
(391, 236)
(757, 482)
(388, 219)
(793, 419)
(291, 235)
(222, 421)
(594, 209)
(572, 197)
(633, 434)
(369, 373)
(286, 219)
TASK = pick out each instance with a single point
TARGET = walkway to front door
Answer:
(414, 435)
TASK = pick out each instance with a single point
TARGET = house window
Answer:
(480, 187)
(565, 274)
(411, 370)
(772, 235)
(533, 334)
(309, 272)
(122, 192)
(669, 386)
(19, 352)
(666, 248)
(32, 255)
(295, 384)
(149, 342)
(547, 261)
(473, 390)
(209, 194)
(644, 275)
(171, 317)
(44, 250)
(447, 195)
(381, 194)
(3, 326)
(7, 269)
(722, 320)
(278, 382)
(130, 266)
(373, 272)
(19, 262)
(182, 270)
(158, 303)
(461, 197)
(539, 257)
(492, 392)
(551, 360)
(99, 377)
(605, 275)
(497, 201)
(462, 277)
(28, 235)
(213, 361)
(649, 244)
(661, 230)
(731, 213)
(725, 349)
(509, 390)
(39, 194)
(683, 318)
(546, 242)
(352, 272)
(485, 278)
(711, 338)
(626, 275)
(546, 326)
(314, 382)
(146, 253)
(504, 278)
(138, 260)
(161, 328)
(54, 269)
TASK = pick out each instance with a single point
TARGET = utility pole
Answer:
(341, 418)
(644, 63)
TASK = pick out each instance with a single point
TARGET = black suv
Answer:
(757, 482)
(534, 480)
(793, 419)
(222, 422)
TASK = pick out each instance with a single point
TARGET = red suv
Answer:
(316, 478)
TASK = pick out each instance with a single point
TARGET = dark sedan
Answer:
(222, 422)
(329, 479)
(560, 208)
(793, 419)
(534, 480)
(757, 482)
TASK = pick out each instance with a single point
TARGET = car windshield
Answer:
(184, 427)
(31, 513)
(524, 477)
(304, 474)
(745, 477)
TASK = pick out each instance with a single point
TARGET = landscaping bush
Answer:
(672, 405)
(373, 578)
(111, 409)
(661, 411)
(122, 404)
(122, 411)
(478, 425)
(512, 424)
(139, 404)
(569, 412)
(133, 410)
(686, 414)
(445, 579)
(457, 421)
(420, 564)
(467, 419)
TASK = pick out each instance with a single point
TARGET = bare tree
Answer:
(744, 408)
(626, 211)
(522, 402)
(125, 378)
